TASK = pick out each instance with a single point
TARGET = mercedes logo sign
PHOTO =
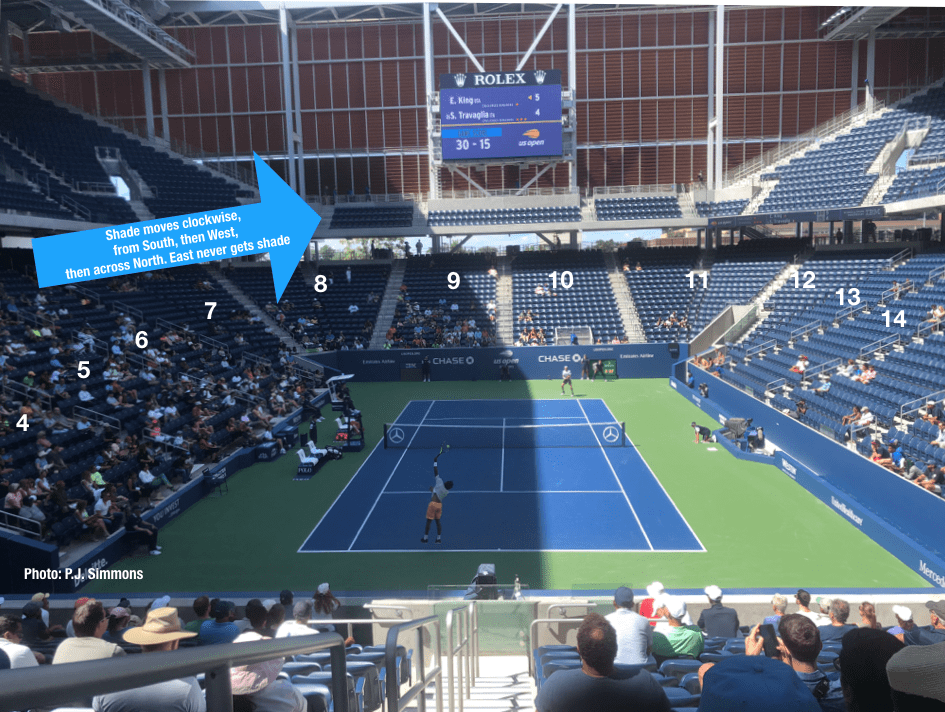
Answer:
(611, 434)
(395, 435)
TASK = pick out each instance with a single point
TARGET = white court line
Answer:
(306, 551)
(399, 460)
(502, 464)
(518, 492)
(619, 483)
(653, 475)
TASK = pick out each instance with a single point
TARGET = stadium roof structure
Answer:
(135, 31)
(215, 12)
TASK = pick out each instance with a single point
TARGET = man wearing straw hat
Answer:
(161, 631)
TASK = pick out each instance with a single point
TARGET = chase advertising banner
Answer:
(632, 361)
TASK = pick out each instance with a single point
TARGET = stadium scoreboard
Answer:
(499, 115)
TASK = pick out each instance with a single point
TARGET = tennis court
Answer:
(529, 475)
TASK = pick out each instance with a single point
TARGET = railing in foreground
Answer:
(396, 702)
(466, 647)
(572, 623)
(58, 685)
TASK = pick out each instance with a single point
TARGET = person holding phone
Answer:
(799, 645)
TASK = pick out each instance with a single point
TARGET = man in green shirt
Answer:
(673, 639)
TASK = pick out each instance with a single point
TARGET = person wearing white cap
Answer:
(915, 677)
(677, 638)
(648, 605)
(325, 604)
(161, 632)
(930, 635)
(718, 621)
(904, 621)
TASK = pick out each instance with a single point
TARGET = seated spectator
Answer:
(848, 369)
(161, 632)
(676, 638)
(879, 454)
(202, 611)
(779, 606)
(137, 528)
(859, 427)
(862, 662)
(799, 647)
(221, 629)
(259, 684)
(301, 613)
(33, 629)
(718, 621)
(914, 675)
(753, 684)
(11, 643)
(839, 612)
(93, 523)
(824, 387)
(940, 437)
(851, 417)
(275, 617)
(89, 623)
(597, 685)
(933, 480)
(802, 599)
(634, 633)
(934, 633)
(118, 618)
(801, 365)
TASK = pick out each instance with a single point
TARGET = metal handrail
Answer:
(13, 521)
(26, 392)
(849, 311)
(820, 368)
(134, 311)
(58, 685)
(806, 329)
(903, 254)
(88, 293)
(935, 274)
(777, 383)
(892, 339)
(531, 637)
(926, 328)
(463, 647)
(757, 349)
(96, 417)
(915, 405)
(395, 701)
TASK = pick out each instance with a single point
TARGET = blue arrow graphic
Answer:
(281, 224)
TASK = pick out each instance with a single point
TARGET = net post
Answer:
(385, 436)
(623, 433)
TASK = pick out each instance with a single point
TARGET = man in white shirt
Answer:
(856, 428)
(301, 614)
(20, 656)
(634, 633)
(84, 394)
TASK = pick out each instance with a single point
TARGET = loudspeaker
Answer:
(673, 347)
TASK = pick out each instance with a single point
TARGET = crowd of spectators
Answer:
(96, 632)
(813, 661)
(93, 423)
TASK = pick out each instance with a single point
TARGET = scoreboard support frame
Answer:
(434, 140)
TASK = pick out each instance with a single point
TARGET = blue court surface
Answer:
(529, 475)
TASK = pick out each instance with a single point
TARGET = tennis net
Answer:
(398, 436)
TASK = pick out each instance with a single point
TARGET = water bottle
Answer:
(517, 590)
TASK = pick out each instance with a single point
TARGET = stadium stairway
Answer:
(503, 685)
(632, 327)
(252, 307)
(385, 315)
(504, 319)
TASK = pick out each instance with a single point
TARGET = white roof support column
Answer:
(297, 134)
(433, 172)
(165, 123)
(870, 69)
(710, 82)
(459, 39)
(148, 101)
(719, 92)
(287, 95)
(855, 76)
(572, 88)
(544, 29)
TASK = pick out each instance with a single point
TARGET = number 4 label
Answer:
(23, 423)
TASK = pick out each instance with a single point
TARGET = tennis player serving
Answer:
(439, 491)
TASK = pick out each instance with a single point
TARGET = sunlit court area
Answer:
(556, 357)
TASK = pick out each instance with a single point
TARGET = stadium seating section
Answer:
(916, 183)
(664, 206)
(346, 218)
(506, 216)
(67, 143)
(427, 289)
(588, 302)
(337, 324)
(725, 207)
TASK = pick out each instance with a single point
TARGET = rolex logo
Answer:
(540, 76)
(460, 79)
